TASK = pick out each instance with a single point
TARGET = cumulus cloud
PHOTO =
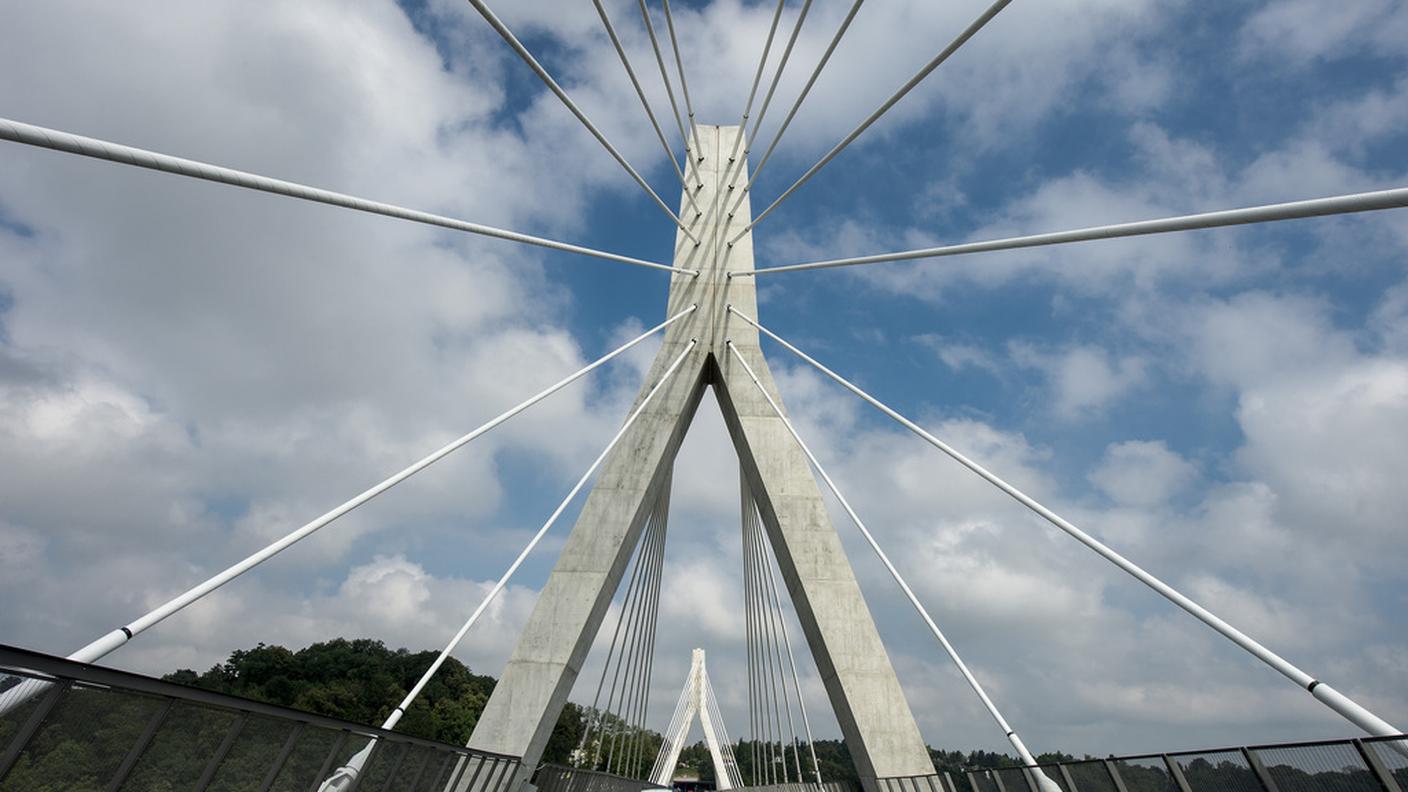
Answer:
(1142, 473)
(188, 371)
(1083, 379)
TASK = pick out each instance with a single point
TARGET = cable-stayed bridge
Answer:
(711, 339)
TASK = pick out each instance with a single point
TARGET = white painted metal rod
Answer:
(645, 103)
(43, 137)
(797, 105)
(596, 718)
(767, 99)
(684, 84)
(689, 157)
(349, 771)
(796, 679)
(977, 687)
(1327, 695)
(1314, 207)
(757, 80)
(107, 643)
(776, 617)
(953, 46)
(523, 53)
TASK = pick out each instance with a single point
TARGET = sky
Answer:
(188, 371)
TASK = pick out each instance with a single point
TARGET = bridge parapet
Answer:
(556, 778)
(1373, 764)
(805, 786)
(94, 728)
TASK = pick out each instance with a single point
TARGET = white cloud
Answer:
(1142, 473)
(187, 371)
(1297, 32)
(1084, 380)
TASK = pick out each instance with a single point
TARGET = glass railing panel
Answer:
(1318, 768)
(1393, 757)
(1091, 777)
(83, 740)
(252, 755)
(1145, 775)
(1218, 771)
(180, 749)
(301, 768)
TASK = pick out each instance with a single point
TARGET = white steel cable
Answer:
(754, 696)
(667, 744)
(527, 57)
(781, 67)
(662, 506)
(631, 610)
(112, 640)
(645, 103)
(691, 159)
(67, 142)
(684, 84)
(796, 681)
(610, 654)
(1327, 695)
(767, 99)
(929, 67)
(726, 745)
(1046, 784)
(774, 609)
(770, 651)
(1293, 210)
(757, 80)
(797, 105)
(354, 766)
(652, 620)
(763, 672)
(631, 694)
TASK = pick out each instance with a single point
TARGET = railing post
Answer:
(219, 756)
(1259, 769)
(130, 761)
(1115, 775)
(1371, 760)
(461, 767)
(973, 782)
(996, 779)
(278, 760)
(26, 732)
(1066, 774)
(378, 745)
(327, 762)
(1175, 771)
(492, 763)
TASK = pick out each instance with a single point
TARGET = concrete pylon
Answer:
(697, 699)
(875, 719)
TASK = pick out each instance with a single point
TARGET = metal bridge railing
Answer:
(93, 729)
(1374, 764)
(805, 786)
(556, 778)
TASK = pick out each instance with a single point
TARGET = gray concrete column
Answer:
(875, 718)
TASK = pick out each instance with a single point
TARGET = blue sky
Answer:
(187, 371)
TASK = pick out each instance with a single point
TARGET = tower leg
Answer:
(875, 719)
